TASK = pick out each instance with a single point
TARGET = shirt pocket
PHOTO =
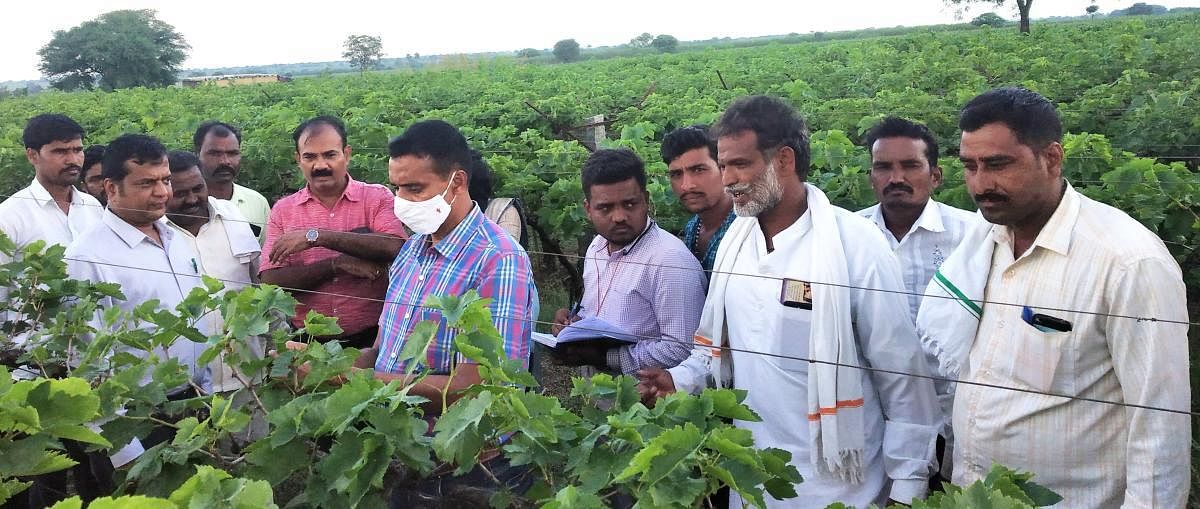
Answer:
(1040, 360)
(794, 334)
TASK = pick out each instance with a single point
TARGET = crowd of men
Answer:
(846, 329)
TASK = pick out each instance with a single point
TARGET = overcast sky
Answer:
(226, 33)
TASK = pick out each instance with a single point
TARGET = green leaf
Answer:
(663, 454)
(412, 352)
(457, 436)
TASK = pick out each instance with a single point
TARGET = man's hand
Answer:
(654, 383)
(302, 370)
(289, 244)
(562, 318)
(581, 354)
(358, 267)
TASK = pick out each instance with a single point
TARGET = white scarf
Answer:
(835, 394)
(953, 303)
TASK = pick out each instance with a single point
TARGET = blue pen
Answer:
(195, 268)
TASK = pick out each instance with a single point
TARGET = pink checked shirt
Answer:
(362, 207)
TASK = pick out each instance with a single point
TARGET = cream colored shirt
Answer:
(254, 208)
(229, 252)
(1095, 267)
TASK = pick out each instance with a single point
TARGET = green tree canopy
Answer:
(990, 19)
(641, 41)
(363, 52)
(566, 50)
(118, 49)
(665, 43)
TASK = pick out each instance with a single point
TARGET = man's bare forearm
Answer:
(377, 247)
(300, 277)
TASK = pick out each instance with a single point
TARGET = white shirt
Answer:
(31, 214)
(926, 245)
(901, 414)
(1099, 262)
(228, 251)
(116, 252)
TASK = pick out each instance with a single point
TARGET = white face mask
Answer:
(424, 217)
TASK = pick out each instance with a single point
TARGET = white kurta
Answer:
(900, 447)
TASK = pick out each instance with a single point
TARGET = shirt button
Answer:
(1002, 324)
(420, 277)
(331, 214)
(407, 316)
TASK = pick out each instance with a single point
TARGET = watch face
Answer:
(311, 236)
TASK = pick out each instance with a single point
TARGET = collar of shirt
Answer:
(133, 236)
(353, 191)
(459, 237)
(43, 198)
(930, 218)
(624, 251)
(1056, 233)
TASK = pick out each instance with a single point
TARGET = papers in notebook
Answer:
(587, 330)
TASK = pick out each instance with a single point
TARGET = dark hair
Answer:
(1033, 118)
(686, 139)
(92, 155)
(896, 127)
(437, 140)
(139, 148)
(610, 166)
(182, 160)
(479, 182)
(49, 128)
(218, 129)
(315, 122)
(774, 123)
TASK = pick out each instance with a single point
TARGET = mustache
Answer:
(995, 197)
(737, 188)
(899, 186)
(223, 167)
(324, 172)
(73, 167)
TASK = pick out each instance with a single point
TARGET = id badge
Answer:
(796, 294)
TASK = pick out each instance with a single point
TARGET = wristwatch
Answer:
(311, 236)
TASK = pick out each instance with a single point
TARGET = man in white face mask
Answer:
(454, 249)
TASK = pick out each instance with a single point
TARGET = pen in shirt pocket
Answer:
(574, 309)
(1044, 323)
(195, 267)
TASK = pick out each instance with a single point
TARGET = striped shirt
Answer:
(652, 288)
(1095, 267)
(477, 255)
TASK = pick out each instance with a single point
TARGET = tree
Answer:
(1092, 9)
(1022, 8)
(641, 41)
(566, 50)
(989, 19)
(529, 53)
(118, 49)
(363, 52)
(665, 43)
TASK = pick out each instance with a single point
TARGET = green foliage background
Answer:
(1132, 81)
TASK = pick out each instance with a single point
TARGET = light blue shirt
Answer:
(114, 251)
